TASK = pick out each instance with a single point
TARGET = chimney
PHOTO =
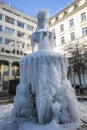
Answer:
(10, 5)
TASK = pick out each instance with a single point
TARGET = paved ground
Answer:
(16, 128)
(6, 99)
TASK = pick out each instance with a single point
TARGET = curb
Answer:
(6, 101)
(82, 97)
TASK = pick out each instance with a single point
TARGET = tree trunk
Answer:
(80, 81)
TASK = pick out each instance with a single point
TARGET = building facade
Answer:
(15, 31)
(70, 27)
(16, 27)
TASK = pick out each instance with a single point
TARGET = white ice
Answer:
(44, 93)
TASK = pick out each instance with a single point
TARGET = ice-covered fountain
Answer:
(44, 93)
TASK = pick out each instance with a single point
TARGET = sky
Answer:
(31, 7)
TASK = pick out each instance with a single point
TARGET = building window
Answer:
(20, 34)
(23, 45)
(83, 16)
(0, 40)
(9, 41)
(54, 32)
(72, 36)
(62, 40)
(9, 20)
(54, 36)
(1, 28)
(30, 28)
(20, 24)
(71, 22)
(9, 31)
(62, 27)
(28, 46)
(84, 31)
(19, 44)
(0, 16)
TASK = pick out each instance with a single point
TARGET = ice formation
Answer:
(44, 92)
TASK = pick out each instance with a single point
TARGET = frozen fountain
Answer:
(44, 93)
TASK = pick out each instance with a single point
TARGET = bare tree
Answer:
(76, 53)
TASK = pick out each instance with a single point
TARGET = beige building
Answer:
(15, 31)
(70, 26)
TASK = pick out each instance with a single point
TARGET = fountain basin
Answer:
(44, 92)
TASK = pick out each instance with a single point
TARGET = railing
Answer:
(11, 50)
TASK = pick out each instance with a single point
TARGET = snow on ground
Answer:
(51, 126)
(83, 108)
(5, 114)
(5, 118)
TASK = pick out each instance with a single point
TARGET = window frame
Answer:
(10, 40)
(1, 15)
(62, 40)
(9, 20)
(83, 16)
(62, 27)
(30, 28)
(1, 40)
(72, 36)
(84, 31)
(9, 31)
(1, 28)
(20, 24)
(20, 34)
(71, 22)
